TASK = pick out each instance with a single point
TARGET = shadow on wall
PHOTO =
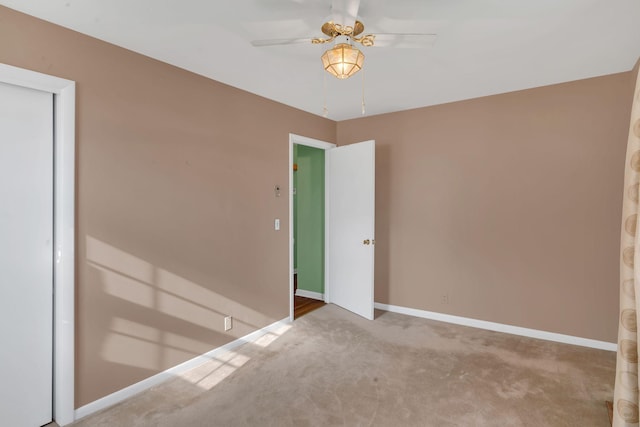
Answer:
(154, 319)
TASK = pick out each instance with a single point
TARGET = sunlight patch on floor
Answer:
(269, 337)
(211, 373)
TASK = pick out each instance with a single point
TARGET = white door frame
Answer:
(63, 230)
(315, 143)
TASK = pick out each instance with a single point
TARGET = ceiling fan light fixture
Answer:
(342, 61)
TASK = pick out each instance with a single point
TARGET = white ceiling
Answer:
(483, 47)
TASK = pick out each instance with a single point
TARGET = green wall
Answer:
(308, 217)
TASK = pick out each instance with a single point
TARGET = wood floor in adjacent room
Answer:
(333, 368)
(304, 305)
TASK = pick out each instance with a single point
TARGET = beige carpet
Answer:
(332, 368)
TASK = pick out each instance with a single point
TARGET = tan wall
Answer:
(175, 177)
(509, 205)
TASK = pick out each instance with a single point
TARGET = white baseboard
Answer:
(145, 384)
(310, 294)
(499, 327)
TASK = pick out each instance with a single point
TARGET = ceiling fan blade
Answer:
(276, 42)
(345, 12)
(408, 40)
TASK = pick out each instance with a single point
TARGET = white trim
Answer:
(310, 142)
(147, 383)
(63, 229)
(315, 143)
(499, 327)
(310, 294)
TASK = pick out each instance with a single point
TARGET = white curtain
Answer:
(625, 402)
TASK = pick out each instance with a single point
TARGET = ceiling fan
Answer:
(343, 60)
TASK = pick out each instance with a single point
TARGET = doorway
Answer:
(307, 249)
(308, 228)
(58, 103)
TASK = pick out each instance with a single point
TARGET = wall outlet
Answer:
(228, 323)
(444, 299)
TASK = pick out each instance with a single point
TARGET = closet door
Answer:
(26, 256)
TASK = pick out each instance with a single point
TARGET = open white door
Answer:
(350, 227)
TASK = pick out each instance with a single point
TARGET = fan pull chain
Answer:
(363, 105)
(325, 111)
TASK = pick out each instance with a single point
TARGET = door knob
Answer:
(366, 242)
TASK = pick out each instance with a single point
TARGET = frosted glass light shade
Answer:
(343, 60)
